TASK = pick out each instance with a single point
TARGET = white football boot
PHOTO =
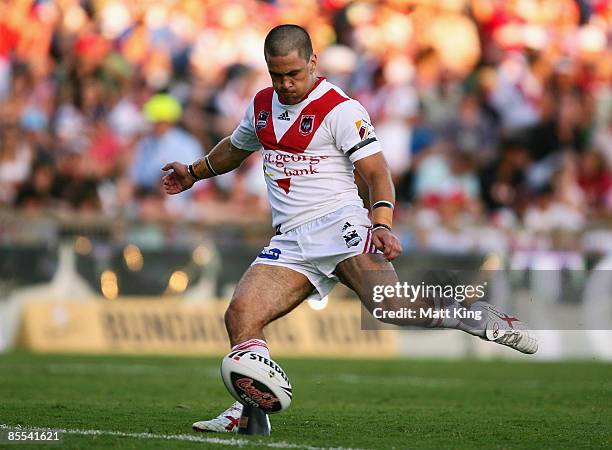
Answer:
(226, 422)
(508, 331)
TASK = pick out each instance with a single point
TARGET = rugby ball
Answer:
(255, 380)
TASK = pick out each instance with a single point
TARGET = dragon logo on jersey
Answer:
(307, 124)
(363, 128)
(350, 235)
(262, 119)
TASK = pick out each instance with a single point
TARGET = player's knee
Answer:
(239, 318)
(232, 318)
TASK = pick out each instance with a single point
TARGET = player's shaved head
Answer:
(284, 39)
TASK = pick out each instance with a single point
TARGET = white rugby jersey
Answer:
(308, 151)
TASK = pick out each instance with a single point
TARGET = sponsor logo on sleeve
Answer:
(364, 128)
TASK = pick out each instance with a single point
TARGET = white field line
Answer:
(232, 442)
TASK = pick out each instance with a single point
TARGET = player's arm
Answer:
(374, 171)
(223, 158)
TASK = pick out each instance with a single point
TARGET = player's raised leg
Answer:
(264, 293)
(363, 272)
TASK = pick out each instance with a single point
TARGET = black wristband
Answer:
(382, 204)
(381, 225)
(192, 172)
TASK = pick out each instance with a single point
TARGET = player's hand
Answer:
(178, 180)
(387, 242)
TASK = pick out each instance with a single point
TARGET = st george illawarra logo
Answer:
(262, 119)
(307, 124)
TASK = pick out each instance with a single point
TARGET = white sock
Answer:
(254, 345)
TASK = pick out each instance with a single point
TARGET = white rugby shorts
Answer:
(317, 247)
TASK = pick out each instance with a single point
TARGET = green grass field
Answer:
(348, 404)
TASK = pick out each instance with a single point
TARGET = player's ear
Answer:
(313, 63)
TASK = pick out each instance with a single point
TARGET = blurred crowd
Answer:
(494, 115)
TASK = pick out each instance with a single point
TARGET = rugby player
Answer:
(313, 136)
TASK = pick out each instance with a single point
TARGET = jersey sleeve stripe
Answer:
(360, 145)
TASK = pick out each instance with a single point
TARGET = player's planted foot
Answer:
(508, 331)
(226, 422)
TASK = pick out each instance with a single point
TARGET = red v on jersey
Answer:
(301, 132)
(284, 184)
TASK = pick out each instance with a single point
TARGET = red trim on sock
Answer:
(250, 346)
(250, 343)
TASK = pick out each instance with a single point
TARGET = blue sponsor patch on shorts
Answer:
(270, 253)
